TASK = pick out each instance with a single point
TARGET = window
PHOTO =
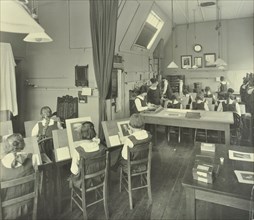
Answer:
(150, 30)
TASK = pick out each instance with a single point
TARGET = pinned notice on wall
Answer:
(87, 91)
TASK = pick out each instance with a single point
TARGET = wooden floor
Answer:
(168, 167)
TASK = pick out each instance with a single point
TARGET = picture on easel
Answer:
(124, 128)
(73, 127)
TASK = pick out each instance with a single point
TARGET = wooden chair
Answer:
(94, 178)
(235, 129)
(6, 128)
(138, 165)
(29, 127)
(22, 199)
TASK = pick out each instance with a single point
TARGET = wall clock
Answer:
(197, 48)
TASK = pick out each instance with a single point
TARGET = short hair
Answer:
(143, 89)
(46, 108)
(230, 90)
(14, 143)
(136, 121)
(153, 80)
(207, 88)
(87, 131)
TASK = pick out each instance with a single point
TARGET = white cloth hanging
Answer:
(8, 96)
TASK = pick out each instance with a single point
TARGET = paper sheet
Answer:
(244, 176)
(63, 153)
(87, 91)
(114, 140)
(238, 155)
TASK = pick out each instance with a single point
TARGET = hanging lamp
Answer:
(220, 63)
(172, 65)
(37, 37)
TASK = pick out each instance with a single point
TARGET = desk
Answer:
(226, 190)
(176, 117)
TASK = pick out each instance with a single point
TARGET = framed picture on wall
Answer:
(186, 61)
(209, 59)
(198, 62)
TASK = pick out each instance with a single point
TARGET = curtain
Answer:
(103, 20)
(8, 80)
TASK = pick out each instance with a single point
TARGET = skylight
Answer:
(150, 30)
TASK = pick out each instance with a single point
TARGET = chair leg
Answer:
(84, 205)
(130, 192)
(206, 136)
(179, 135)
(71, 206)
(149, 188)
(168, 134)
(120, 182)
(105, 201)
(195, 135)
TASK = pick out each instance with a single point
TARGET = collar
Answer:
(51, 121)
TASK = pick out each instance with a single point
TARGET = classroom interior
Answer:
(98, 56)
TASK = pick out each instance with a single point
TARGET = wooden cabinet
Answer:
(174, 81)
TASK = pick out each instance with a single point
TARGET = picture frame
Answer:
(198, 62)
(73, 127)
(209, 59)
(186, 61)
(123, 127)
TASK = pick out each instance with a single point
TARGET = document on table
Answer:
(244, 176)
(238, 155)
(63, 153)
(114, 140)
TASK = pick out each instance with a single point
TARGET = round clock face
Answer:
(197, 48)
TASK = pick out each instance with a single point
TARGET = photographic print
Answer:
(198, 62)
(73, 127)
(124, 128)
(209, 59)
(186, 62)
(244, 176)
(237, 155)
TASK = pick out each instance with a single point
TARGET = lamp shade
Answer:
(220, 62)
(41, 37)
(172, 65)
(14, 18)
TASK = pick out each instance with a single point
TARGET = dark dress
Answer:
(229, 107)
(153, 96)
(16, 211)
(250, 103)
(90, 168)
(134, 109)
(198, 106)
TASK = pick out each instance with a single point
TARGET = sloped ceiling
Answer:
(184, 10)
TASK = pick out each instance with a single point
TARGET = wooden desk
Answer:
(176, 117)
(226, 190)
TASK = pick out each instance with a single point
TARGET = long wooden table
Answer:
(226, 190)
(210, 120)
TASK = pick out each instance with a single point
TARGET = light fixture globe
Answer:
(41, 37)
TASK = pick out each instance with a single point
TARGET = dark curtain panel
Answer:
(103, 20)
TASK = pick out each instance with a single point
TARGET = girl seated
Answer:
(90, 147)
(16, 164)
(138, 136)
(200, 103)
(230, 104)
(174, 102)
(43, 129)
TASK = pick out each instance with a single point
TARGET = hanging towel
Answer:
(8, 99)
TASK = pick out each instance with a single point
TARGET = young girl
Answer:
(90, 147)
(16, 164)
(200, 103)
(138, 136)
(43, 129)
(153, 94)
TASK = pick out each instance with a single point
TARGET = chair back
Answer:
(61, 144)
(139, 157)
(23, 199)
(237, 121)
(6, 128)
(29, 125)
(94, 170)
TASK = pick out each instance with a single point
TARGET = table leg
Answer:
(190, 203)
(227, 136)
